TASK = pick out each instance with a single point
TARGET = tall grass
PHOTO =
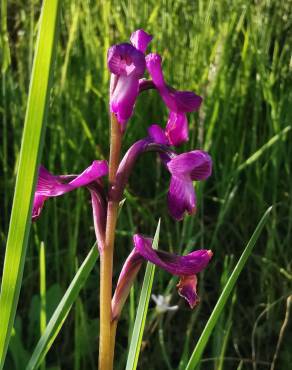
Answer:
(236, 54)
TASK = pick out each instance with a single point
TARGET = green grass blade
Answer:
(140, 320)
(43, 298)
(29, 160)
(197, 353)
(254, 157)
(61, 312)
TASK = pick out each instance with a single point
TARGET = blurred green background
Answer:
(237, 55)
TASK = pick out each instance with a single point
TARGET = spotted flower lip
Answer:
(186, 267)
(125, 60)
(126, 63)
(178, 102)
(49, 185)
(184, 169)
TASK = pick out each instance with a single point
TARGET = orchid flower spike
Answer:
(178, 102)
(126, 63)
(186, 267)
(49, 186)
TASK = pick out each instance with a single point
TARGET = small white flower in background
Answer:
(162, 303)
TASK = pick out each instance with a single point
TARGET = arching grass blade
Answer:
(201, 344)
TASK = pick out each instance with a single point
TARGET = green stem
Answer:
(106, 255)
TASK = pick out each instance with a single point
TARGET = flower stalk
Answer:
(106, 344)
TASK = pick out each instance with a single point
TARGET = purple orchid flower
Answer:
(127, 64)
(184, 169)
(186, 267)
(178, 102)
(49, 186)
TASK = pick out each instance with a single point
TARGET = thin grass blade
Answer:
(43, 296)
(28, 163)
(255, 156)
(6, 59)
(55, 324)
(140, 320)
(201, 344)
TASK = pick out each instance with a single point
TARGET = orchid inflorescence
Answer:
(127, 63)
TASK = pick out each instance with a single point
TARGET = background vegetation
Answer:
(237, 55)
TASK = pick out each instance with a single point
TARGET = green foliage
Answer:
(237, 56)
(29, 159)
(221, 303)
(51, 331)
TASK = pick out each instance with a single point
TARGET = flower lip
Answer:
(140, 39)
(181, 198)
(124, 60)
(187, 288)
(186, 168)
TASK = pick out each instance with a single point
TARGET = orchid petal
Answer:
(187, 101)
(153, 65)
(125, 168)
(127, 276)
(49, 185)
(190, 264)
(96, 170)
(176, 101)
(125, 59)
(177, 129)
(184, 266)
(187, 288)
(123, 98)
(181, 198)
(140, 39)
(194, 165)
(127, 65)
(38, 204)
(99, 215)
(184, 168)
(157, 134)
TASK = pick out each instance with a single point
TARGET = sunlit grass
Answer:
(237, 56)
